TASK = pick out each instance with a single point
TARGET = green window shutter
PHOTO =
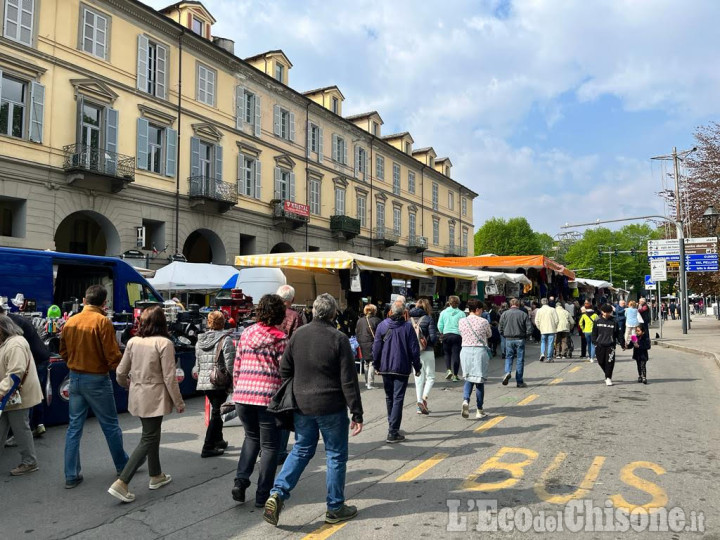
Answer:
(241, 174)
(257, 115)
(357, 161)
(276, 120)
(292, 186)
(142, 63)
(142, 144)
(111, 140)
(171, 137)
(218, 162)
(161, 72)
(292, 127)
(239, 106)
(258, 179)
(278, 192)
(194, 156)
(320, 145)
(37, 110)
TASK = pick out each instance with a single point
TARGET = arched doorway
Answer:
(88, 233)
(282, 247)
(204, 246)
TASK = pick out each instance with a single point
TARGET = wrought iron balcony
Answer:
(88, 167)
(209, 188)
(386, 236)
(345, 226)
(289, 215)
(418, 244)
(454, 250)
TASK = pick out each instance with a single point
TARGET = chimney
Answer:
(225, 43)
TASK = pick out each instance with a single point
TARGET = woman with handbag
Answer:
(474, 356)
(148, 370)
(19, 391)
(214, 351)
(426, 330)
(256, 377)
(365, 333)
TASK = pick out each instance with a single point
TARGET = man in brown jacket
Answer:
(89, 346)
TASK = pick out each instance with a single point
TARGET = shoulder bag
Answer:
(219, 374)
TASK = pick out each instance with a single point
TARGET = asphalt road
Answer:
(565, 440)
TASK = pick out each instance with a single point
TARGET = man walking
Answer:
(325, 384)
(396, 354)
(546, 320)
(89, 346)
(516, 327)
(604, 337)
(562, 338)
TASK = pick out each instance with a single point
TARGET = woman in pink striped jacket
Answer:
(256, 379)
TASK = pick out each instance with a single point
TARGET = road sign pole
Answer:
(659, 305)
(682, 289)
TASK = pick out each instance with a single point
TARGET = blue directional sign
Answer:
(702, 262)
(666, 257)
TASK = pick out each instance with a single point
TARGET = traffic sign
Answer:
(649, 283)
(665, 257)
(658, 270)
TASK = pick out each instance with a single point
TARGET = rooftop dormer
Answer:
(426, 156)
(369, 122)
(443, 165)
(192, 15)
(402, 141)
(273, 63)
(329, 97)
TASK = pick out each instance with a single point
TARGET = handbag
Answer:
(283, 406)
(219, 375)
(640, 318)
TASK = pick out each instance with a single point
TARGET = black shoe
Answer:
(273, 507)
(69, 484)
(506, 378)
(644, 380)
(238, 492)
(639, 379)
(222, 445)
(522, 385)
(212, 452)
(343, 513)
(392, 439)
(260, 503)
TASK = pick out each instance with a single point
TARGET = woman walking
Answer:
(17, 364)
(424, 325)
(256, 378)
(631, 321)
(474, 356)
(365, 333)
(214, 346)
(451, 340)
(148, 369)
(641, 346)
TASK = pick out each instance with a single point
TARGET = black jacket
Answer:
(325, 381)
(605, 332)
(427, 325)
(641, 351)
(40, 353)
(515, 324)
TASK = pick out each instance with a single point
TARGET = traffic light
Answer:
(633, 252)
(616, 252)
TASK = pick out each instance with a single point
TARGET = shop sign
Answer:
(297, 208)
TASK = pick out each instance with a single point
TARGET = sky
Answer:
(548, 109)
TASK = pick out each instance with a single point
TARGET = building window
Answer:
(249, 107)
(206, 78)
(436, 231)
(431, 161)
(447, 171)
(283, 123)
(463, 204)
(248, 177)
(380, 215)
(396, 179)
(412, 224)
(408, 147)
(380, 166)
(94, 37)
(339, 150)
(362, 161)
(435, 196)
(451, 200)
(152, 67)
(375, 128)
(362, 210)
(465, 233)
(13, 101)
(206, 161)
(411, 182)
(335, 104)
(284, 185)
(90, 127)
(279, 71)
(12, 217)
(18, 24)
(397, 219)
(314, 138)
(197, 26)
(339, 201)
(315, 196)
(451, 234)
(155, 149)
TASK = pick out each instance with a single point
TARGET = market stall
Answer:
(597, 290)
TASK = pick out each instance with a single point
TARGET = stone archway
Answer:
(204, 246)
(88, 233)
(282, 247)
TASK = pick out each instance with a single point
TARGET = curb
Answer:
(689, 350)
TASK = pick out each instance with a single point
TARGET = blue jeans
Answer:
(515, 348)
(395, 387)
(92, 392)
(334, 429)
(546, 345)
(479, 392)
(590, 346)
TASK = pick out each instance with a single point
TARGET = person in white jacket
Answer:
(562, 337)
(546, 320)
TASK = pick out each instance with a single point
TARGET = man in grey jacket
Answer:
(515, 326)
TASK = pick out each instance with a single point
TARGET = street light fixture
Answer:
(710, 218)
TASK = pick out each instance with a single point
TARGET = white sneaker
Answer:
(480, 414)
(592, 360)
(608, 382)
(465, 409)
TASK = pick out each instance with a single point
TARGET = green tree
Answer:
(546, 243)
(511, 237)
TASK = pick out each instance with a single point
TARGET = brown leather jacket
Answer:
(88, 343)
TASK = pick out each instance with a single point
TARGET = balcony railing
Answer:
(345, 226)
(418, 243)
(386, 236)
(209, 188)
(454, 250)
(289, 215)
(88, 161)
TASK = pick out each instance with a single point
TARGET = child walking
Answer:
(641, 345)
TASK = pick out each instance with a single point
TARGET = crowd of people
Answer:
(284, 374)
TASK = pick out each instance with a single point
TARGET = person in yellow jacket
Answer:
(587, 321)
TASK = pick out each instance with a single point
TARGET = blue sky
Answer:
(548, 109)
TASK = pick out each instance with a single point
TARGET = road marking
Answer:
(576, 368)
(490, 423)
(627, 475)
(516, 470)
(425, 466)
(555, 381)
(326, 531)
(529, 399)
(585, 486)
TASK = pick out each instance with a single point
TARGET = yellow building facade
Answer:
(125, 128)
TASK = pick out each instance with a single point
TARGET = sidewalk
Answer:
(703, 337)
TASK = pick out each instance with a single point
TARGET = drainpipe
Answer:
(179, 139)
(307, 168)
(370, 203)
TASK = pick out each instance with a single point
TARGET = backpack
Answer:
(422, 340)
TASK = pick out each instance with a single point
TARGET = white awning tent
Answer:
(594, 283)
(184, 276)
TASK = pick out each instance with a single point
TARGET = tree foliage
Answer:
(511, 237)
